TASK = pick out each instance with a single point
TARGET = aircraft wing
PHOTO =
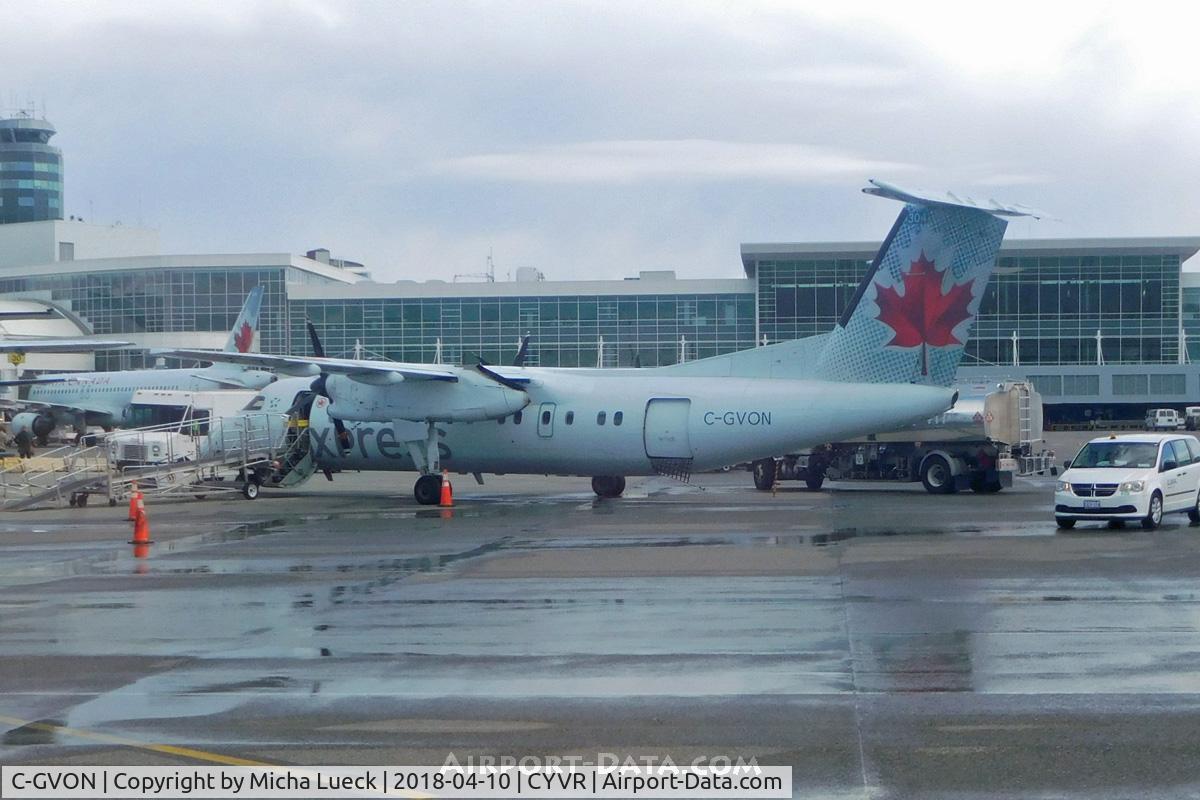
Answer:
(51, 345)
(47, 313)
(311, 365)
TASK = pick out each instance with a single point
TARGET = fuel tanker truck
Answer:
(989, 436)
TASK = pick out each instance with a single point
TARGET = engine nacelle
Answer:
(38, 424)
(472, 398)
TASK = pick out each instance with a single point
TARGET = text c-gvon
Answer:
(737, 417)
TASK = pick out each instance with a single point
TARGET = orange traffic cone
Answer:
(141, 532)
(134, 496)
(447, 500)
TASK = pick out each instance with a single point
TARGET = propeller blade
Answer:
(522, 352)
(343, 436)
(318, 348)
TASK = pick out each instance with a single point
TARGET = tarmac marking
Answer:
(167, 749)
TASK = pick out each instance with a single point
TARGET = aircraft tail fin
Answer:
(244, 336)
(910, 317)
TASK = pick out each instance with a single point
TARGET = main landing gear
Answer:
(608, 485)
(421, 440)
(428, 489)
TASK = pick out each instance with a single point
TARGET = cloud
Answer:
(631, 161)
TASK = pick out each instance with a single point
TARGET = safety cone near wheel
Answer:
(447, 500)
(134, 497)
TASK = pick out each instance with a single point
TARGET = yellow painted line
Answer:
(172, 750)
(167, 749)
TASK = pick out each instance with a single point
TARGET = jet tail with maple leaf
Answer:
(244, 336)
(910, 317)
(909, 320)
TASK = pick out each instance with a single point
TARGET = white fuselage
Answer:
(584, 422)
(105, 396)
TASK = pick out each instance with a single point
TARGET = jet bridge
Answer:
(240, 453)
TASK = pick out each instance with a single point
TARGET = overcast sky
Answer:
(597, 139)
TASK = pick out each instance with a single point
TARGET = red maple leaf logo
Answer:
(923, 316)
(243, 337)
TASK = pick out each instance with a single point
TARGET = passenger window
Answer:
(517, 418)
(618, 417)
(570, 418)
(545, 417)
(1194, 448)
(1182, 457)
(600, 418)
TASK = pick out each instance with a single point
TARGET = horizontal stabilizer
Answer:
(920, 197)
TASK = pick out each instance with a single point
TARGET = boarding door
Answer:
(546, 420)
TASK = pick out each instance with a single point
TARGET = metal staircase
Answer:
(225, 454)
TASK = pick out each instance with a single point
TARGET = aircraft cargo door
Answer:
(666, 434)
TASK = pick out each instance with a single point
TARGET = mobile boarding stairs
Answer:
(236, 453)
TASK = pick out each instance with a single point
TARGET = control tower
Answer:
(31, 184)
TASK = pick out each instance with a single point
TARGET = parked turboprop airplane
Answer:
(889, 362)
(102, 398)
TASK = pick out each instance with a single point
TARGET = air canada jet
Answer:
(102, 398)
(889, 361)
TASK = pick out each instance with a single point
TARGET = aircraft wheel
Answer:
(765, 474)
(608, 485)
(428, 489)
(936, 475)
(250, 489)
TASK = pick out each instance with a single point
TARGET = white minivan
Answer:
(1135, 477)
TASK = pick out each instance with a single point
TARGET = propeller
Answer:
(319, 388)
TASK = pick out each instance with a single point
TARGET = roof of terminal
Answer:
(1184, 246)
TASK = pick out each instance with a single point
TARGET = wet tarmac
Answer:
(882, 642)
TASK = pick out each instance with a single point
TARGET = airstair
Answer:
(239, 453)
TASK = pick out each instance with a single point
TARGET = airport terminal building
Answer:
(1104, 327)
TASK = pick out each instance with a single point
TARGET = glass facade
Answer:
(163, 300)
(1054, 303)
(31, 177)
(566, 330)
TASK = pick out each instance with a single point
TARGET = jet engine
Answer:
(38, 424)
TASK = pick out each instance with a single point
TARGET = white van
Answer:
(1131, 478)
(1163, 419)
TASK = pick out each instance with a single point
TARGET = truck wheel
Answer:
(936, 475)
(1066, 523)
(814, 482)
(764, 474)
(1154, 515)
(984, 486)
